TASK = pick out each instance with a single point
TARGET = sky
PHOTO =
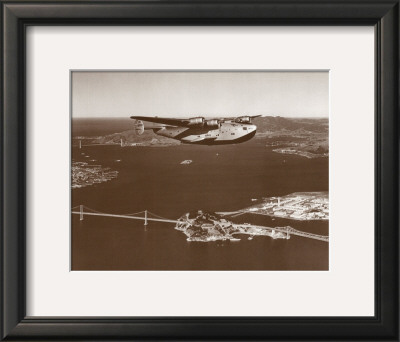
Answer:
(212, 93)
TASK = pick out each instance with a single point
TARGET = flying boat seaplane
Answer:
(200, 130)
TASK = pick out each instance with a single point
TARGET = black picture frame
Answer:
(17, 15)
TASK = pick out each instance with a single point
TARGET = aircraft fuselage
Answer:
(224, 133)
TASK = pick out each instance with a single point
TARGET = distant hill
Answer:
(273, 124)
(266, 126)
(131, 137)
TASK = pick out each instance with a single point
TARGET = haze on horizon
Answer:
(97, 94)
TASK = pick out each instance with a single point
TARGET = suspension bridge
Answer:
(147, 216)
(82, 210)
(121, 143)
(291, 231)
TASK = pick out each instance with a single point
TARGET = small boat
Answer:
(186, 162)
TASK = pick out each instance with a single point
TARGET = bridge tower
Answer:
(121, 143)
(80, 144)
(81, 212)
(145, 218)
(287, 233)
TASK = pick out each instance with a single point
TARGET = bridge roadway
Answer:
(309, 235)
(285, 230)
(278, 229)
(292, 231)
(126, 216)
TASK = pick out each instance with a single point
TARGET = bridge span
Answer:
(148, 216)
(291, 231)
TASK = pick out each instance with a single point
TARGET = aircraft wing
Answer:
(237, 117)
(192, 122)
(164, 121)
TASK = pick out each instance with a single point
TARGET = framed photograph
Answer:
(200, 170)
(210, 174)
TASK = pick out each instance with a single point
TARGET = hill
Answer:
(273, 129)
(278, 124)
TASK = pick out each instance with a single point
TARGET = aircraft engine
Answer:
(139, 127)
(199, 121)
(212, 123)
(243, 119)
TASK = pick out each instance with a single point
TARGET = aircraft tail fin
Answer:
(139, 127)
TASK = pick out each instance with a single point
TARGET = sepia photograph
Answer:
(203, 170)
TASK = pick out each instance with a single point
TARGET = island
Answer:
(206, 226)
